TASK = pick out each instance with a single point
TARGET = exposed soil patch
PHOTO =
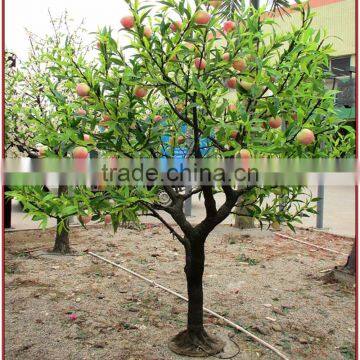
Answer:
(78, 307)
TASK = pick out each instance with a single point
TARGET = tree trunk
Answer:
(62, 241)
(242, 220)
(7, 209)
(194, 270)
(350, 266)
(195, 341)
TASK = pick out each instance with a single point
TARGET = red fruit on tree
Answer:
(232, 107)
(229, 26)
(173, 58)
(210, 36)
(127, 22)
(234, 134)
(239, 64)
(85, 219)
(215, 3)
(305, 137)
(231, 83)
(275, 122)
(140, 92)
(176, 26)
(202, 17)
(80, 152)
(180, 139)
(81, 112)
(86, 137)
(226, 57)
(200, 63)
(294, 116)
(82, 89)
(148, 32)
(157, 118)
(244, 154)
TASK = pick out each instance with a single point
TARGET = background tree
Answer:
(178, 75)
(27, 108)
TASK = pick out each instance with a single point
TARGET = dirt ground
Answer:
(78, 307)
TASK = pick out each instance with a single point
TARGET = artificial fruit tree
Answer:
(232, 84)
(32, 123)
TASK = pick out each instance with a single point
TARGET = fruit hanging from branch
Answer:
(85, 219)
(231, 83)
(80, 152)
(81, 112)
(181, 139)
(128, 22)
(176, 26)
(275, 122)
(226, 56)
(202, 17)
(244, 154)
(200, 63)
(305, 137)
(148, 32)
(239, 65)
(232, 107)
(140, 91)
(157, 118)
(215, 3)
(83, 89)
(229, 26)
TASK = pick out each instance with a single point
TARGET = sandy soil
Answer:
(271, 286)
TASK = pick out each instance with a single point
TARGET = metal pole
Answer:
(320, 202)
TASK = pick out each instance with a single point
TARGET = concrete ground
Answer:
(339, 213)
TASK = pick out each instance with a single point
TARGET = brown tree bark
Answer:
(242, 220)
(350, 265)
(62, 238)
(195, 341)
(7, 209)
(194, 270)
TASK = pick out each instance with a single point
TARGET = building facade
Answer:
(337, 17)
